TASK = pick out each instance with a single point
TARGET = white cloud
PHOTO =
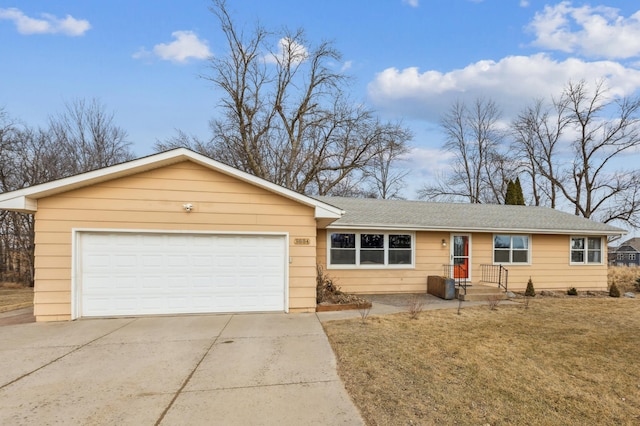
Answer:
(524, 3)
(424, 165)
(186, 46)
(412, 3)
(142, 53)
(512, 82)
(427, 163)
(49, 24)
(288, 48)
(597, 32)
(346, 66)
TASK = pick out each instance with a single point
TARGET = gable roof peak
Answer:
(632, 242)
(26, 199)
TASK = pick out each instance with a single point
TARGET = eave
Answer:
(387, 227)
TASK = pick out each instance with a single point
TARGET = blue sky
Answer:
(411, 58)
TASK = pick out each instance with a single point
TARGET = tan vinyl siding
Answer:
(549, 268)
(153, 200)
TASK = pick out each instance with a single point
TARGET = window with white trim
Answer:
(632, 256)
(370, 249)
(586, 250)
(512, 249)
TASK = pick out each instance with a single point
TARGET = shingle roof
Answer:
(403, 214)
(634, 243)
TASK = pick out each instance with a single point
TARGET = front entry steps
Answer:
(480, 293)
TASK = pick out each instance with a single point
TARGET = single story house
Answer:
(626, 254)
(177, 232)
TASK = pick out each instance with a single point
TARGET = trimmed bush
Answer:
(530, 291)
(613, 290)
(572, 291)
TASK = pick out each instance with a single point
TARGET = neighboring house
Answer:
(177, 232)
(626, 254)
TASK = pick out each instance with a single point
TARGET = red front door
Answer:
(460, 256)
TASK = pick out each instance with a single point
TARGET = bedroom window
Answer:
(586, 250)
(371, 249)
(511, 249)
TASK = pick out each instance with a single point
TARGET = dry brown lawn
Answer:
(15, 297)
(569, 361)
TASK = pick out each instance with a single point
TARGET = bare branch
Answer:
(285, 116)
(480, 169)
(597, 130)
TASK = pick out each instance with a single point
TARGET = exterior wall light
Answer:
(444, 243)
(188, 207)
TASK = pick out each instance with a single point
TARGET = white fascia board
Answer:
(95, 176)
(19, 204)
(387, 227)
(325, 211)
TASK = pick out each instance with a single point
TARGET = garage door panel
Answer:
(202, 282)
(177, 302)
(226, 260)
(249, 261)
(271, 281)
(149, 284)
(151, 261)
(271, 301)
(101, 283)
(98, 261)
(179, 261)
(137, 274)
(205, 260)
(123, 283)
(124, 240)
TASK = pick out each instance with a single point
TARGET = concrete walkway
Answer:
(253, 369)
(17, 316)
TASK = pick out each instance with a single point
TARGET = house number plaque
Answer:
(301, 241)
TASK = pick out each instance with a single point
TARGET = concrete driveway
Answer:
(253, 369)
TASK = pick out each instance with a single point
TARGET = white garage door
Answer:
(139, 274)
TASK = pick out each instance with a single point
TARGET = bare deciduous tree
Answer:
(480, 170)
(387, 181)
(595, 130)
(9, 261)
(537, 131)
(89, 137)
(82, 138)
(285, 116)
